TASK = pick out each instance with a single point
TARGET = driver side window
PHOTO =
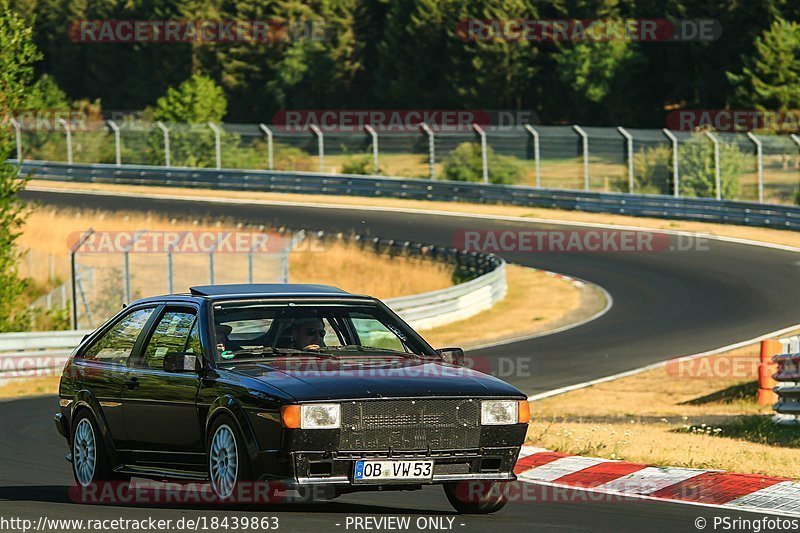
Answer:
(172, 334)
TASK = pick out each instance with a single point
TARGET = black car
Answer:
(302, 385)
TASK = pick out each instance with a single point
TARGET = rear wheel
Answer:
(476, 497)
(90, 461)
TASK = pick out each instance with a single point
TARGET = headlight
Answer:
(498, 412)
(311, 416)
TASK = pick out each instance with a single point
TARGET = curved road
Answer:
(667, 303)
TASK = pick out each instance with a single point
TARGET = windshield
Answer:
(245, 330)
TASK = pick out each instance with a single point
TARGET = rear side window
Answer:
(116, 344)
(171, 335)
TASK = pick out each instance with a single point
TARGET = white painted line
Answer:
(650, 479)
(562, 390)
(560, 468)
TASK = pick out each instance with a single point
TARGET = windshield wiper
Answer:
(359, 348)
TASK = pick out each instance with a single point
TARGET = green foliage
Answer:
(696, 165)
(47, 95)
(466, 164)
(360, 164)
(653, 169)
(197, 100)
(592, 68)
(17, 56)
(770, 78)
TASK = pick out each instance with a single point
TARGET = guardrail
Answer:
(37, 353)
(697, 209)
(787, 408)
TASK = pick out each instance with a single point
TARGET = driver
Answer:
(308, 333)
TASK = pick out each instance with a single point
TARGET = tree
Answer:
(190, 107)
(17, 57)
(770, 78)
(197, 100)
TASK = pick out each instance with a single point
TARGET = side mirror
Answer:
(180, 362)
(454, 356)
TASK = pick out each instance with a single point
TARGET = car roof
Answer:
(266, 289)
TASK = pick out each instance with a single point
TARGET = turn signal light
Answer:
(290, 416)
(524, 412)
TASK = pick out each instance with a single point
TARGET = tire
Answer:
(476, 497)
(228, 464)
(90, 461)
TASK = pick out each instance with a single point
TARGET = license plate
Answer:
(392, 470)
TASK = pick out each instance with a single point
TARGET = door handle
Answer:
(131, 383)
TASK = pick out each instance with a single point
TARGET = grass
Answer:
(47, 230)
(557, 303)
(774, 236)
(665, 418)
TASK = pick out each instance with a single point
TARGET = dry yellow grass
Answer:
(536, 302)
(363, 272)
(787, 238)
(702, 414)
(29, 387)
(47, 231)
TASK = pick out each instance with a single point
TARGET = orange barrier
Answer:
(766, 369)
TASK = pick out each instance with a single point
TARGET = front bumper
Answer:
(303, 468)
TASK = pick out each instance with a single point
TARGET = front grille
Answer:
(410, 425)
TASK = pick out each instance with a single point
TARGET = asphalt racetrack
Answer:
(667, 303)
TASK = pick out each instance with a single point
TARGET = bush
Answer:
(465, 164)
(653, 169)
(359, 165)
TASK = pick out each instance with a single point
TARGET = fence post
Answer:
(585, 139)
(217, 144)
(675, 174)
(211, 265)
(163, 128)
(535, 154)
(629, 139)
(73, 275)
(117, 148)
(717, 177)
(268, 133)
(484, 155)
(320, 146)
(759, 164)
(18, 135)
(431, 149)
(169, 272)
(69, 139)
(374, 134)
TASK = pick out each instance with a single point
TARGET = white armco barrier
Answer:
(788, 377)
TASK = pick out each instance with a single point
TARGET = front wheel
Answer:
(228, 465)
(476, 497)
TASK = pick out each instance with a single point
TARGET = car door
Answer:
(161, 416)
(101, 367)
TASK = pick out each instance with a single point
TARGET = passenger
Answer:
(308, 333)
(224, 343)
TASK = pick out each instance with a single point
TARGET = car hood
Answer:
(367, 377)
